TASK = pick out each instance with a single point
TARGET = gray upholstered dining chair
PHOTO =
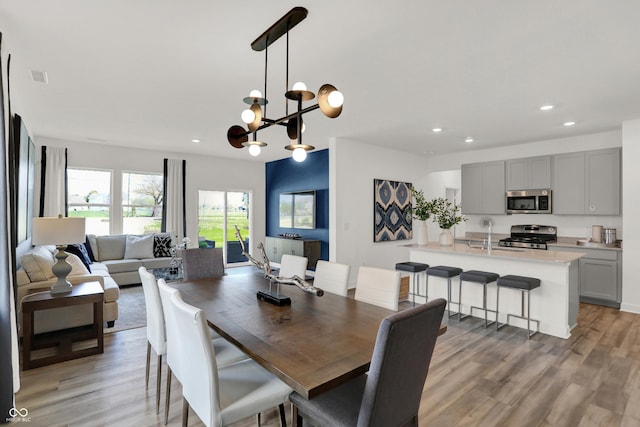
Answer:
(202, 262)
(220, 395)
(390, 393)
(156, 336)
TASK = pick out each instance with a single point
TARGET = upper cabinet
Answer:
(587, 183)
(528, 173)
(483, 188)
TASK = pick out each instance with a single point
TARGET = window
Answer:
(218, 214)
(89, 196)
(141, 203)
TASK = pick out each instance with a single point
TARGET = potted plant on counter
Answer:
(422, 211)
(446, 214)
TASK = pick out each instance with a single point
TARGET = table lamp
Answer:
(61, 232)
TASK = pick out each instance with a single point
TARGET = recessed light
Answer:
(436, 130)
(569, 123)
(468, 140)
(547, 107)
(195, 141)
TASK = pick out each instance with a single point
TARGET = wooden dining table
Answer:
(313, 345)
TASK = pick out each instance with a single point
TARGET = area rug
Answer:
(131, 310)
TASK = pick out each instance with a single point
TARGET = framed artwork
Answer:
(391, 210)
(25, 170)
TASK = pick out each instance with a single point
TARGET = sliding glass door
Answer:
(218, 214)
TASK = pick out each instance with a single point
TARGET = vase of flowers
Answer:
(447, 215)
(422, 211)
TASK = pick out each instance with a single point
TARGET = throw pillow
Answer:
(161, 245)
(81, 252)
(140, 247)
(89, 249)
(37, 264)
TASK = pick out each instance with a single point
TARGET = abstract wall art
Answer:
(391, 210)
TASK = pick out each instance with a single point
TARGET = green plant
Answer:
(423, 207)
(446, 213)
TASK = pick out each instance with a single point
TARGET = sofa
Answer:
(35, 275)
(124, 254)
(111, 260)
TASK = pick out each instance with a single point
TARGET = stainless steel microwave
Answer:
(529, 202)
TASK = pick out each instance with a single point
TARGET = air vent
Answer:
(39, 76)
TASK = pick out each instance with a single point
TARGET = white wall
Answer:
(444, 169)
(353, 167)
(630, 213)
(203, 173)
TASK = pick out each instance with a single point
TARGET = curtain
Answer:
(173, 200)
(53, 182)
(9, 368)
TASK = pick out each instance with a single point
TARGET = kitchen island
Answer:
(555, 303)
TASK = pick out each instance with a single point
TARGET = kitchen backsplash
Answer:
(568, 225)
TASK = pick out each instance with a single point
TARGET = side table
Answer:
(62, 342)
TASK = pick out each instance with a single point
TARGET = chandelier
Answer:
(330, 100)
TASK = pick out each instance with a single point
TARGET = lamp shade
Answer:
(58, 231)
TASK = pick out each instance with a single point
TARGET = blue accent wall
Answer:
(287, 175)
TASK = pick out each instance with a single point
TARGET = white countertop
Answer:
(535, 255)
(565, 242)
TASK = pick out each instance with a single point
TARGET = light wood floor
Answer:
(478, 377)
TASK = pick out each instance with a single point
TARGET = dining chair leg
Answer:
(185, 412)
(146, 378)
(158, 381)
(167, 397)
(283, 418)
(258, 419)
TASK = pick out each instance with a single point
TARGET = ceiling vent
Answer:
(39, 76)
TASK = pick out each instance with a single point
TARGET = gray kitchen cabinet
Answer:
(483, 188)
(587, 183)
(569, 179)
(275, 247)
(603, 180)
(600, 275)
(528, 173)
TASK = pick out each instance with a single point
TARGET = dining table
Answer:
(313, 344)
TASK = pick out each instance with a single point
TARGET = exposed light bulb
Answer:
(299, 86)
(248, 116)
(335, 99)
(254, 149)
(299, 154)
(255, 94)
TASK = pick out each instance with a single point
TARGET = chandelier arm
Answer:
(286, 79)
(270, 122)
(266, 62)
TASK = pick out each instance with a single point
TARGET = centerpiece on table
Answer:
(446, 214)
(422, 211)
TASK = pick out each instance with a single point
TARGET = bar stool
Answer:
(524, 284)
(448, 273)
(414, 269)
(483, 278)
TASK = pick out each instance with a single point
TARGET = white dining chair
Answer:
(378, 286)
(156, 336)
(332, 277)
(219, 395)
(293, 265)
(226, 353)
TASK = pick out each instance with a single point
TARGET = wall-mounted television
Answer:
(297, 209)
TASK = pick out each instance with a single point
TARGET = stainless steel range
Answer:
(530, 236)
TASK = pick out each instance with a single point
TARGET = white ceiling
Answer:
(158, 73)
